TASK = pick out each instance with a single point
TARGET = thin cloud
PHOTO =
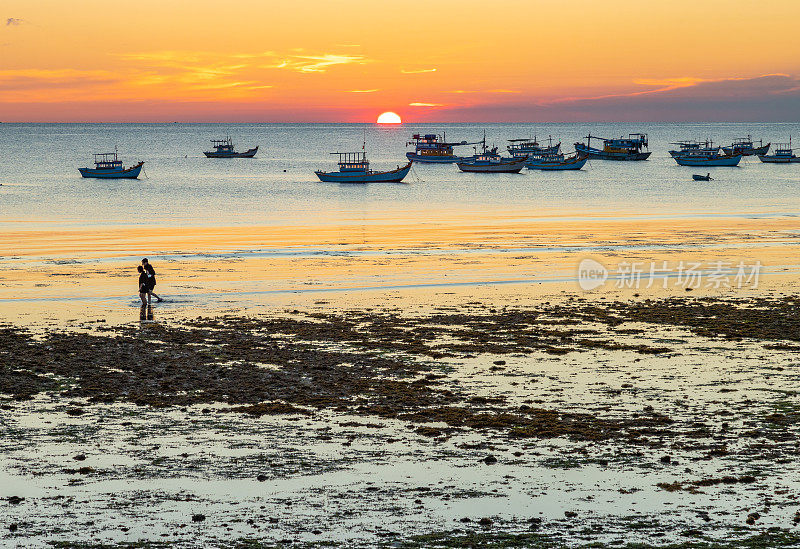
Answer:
(425, 105)
(14, 22)
(416, 71)
(364, 91)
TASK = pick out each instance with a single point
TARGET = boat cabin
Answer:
(634, 142)
(353, 161)
(431, 144)
(223, 145)
(784, 150)
(107, 161)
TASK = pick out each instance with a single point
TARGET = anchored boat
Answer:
(433, 148)
(354, 168)
(708, 159)
(527, 147)
(556, 162)
(745, 147)
(490, 161)
(223, 148)
(629, 148)
(109, 166)
(783, 154)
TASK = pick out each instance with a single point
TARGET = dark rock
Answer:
(261, 478)
(75, 412)
(486, 521)
(490, 460)
(198, 517)
(500, 362)
(570, 514)
(79, 457)
(666, 459)
(752, 518)
(15, 500)
(465, 520)
(12, 527)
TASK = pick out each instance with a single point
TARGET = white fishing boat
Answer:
(784, 154)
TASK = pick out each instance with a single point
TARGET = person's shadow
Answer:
(146, 312)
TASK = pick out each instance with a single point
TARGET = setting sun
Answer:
(389, 118)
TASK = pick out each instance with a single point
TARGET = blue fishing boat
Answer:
(693, 147)
(223, 148)
(708, 159)
(527, 147)
(109, 166)
(784, 154)
(746, 147)
(354, 168)
(623, 148)
(433, 148)
(490, 161)
(556, 162)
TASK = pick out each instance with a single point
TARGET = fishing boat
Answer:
(784, 154)
(706, 177)
(354, 168)
(223, 148)
(490, 161)
(745, 147)
(623, 148)
(109, 166)
(556, 162)
(527, 146)
(693, 147)
(433, 148)
(708, 159)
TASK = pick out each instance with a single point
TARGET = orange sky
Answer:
(350, 60)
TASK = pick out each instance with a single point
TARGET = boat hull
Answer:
(504, 166)
(574, 163)
(701, 177)
(128, 173)
(392, 176)
(432, 159)
(591, 152)
(718, 161)
(250, 153)
(747, 151)
(767, 159)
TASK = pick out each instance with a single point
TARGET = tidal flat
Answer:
(636, 421)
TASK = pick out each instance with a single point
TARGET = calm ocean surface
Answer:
(41, 186)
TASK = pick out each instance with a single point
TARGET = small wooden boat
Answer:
(223, 148)
(708, 159)
(433, 148)
(745, 147)
(556, 162)
(109, 166)
(623, 148)
(706, 177)
(783, 155)
(489, 161)
(354, 168)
